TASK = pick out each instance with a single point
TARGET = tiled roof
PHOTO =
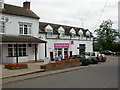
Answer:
(21, 39)
(55, 27)
(19, 11)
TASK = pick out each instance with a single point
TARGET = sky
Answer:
(88, 14)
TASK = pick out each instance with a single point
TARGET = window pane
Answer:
(65, 48)
(25, 29)
(10, 52)
(21, 29)
(14, 51)
(59, 48)
(9, 45)
(59, 53)
(20, 51)
(2, 27)
(20, 45)
(24, 45)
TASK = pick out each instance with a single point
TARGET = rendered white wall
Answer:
(73, 47)
(12, 27)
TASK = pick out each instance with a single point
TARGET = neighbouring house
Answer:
(64, 40)
(24, 38)
(19, 30)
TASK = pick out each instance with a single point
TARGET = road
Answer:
(101, 75)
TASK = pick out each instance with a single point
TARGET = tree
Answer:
(106, 36)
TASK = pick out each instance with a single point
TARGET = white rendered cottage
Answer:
(64, 40)
(18, 32)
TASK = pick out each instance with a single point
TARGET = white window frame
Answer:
(22, 27)
(61, 32)
(73, 33)
(49, 32)
(12, 53)
(2, 27)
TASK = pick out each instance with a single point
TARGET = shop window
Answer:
(12, 50)
(60, 51)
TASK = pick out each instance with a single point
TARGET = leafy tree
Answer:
(106, 36)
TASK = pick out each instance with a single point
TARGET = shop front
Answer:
(61, 49)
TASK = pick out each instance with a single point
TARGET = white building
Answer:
(19, 30)
(65, 40)
(24, 38)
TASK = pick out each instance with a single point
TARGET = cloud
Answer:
(69, 12)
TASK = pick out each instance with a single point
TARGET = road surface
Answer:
(101, 75)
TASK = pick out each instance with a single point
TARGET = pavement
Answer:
(32, 68)
(33, 71)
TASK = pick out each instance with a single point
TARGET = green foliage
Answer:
(106, 36)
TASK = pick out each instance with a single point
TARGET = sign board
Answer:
(6, 19)
(61, 45)
(46, 60)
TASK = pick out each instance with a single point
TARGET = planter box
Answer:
(61, 64)
(13, 67)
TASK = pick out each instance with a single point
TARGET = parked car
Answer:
(108, 52)
(94, 57)
(103, 57)
(84, 59)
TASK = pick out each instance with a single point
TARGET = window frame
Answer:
(2, 27)
(21, 53)
(49, 33)
(25, 28)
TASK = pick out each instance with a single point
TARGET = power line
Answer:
(101, 14)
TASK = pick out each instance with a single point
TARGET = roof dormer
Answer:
(88, 33)
(61, 30)
(80, 32)
(48, 28)
(49, 31)
(72, 31)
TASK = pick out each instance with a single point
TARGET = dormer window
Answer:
(49, 31)
(2, 27)
(88, 34)
(24, 29)
(80, 33)
(72, 32)
(61, 31)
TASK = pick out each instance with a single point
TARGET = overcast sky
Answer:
(73, 12)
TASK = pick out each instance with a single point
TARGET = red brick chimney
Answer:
(26, 4)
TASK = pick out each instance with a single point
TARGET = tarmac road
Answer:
(102, 75)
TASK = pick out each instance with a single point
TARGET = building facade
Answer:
(24, 38)
(19, 30)
(64, 40)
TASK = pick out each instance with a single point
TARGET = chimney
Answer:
(26, 4)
